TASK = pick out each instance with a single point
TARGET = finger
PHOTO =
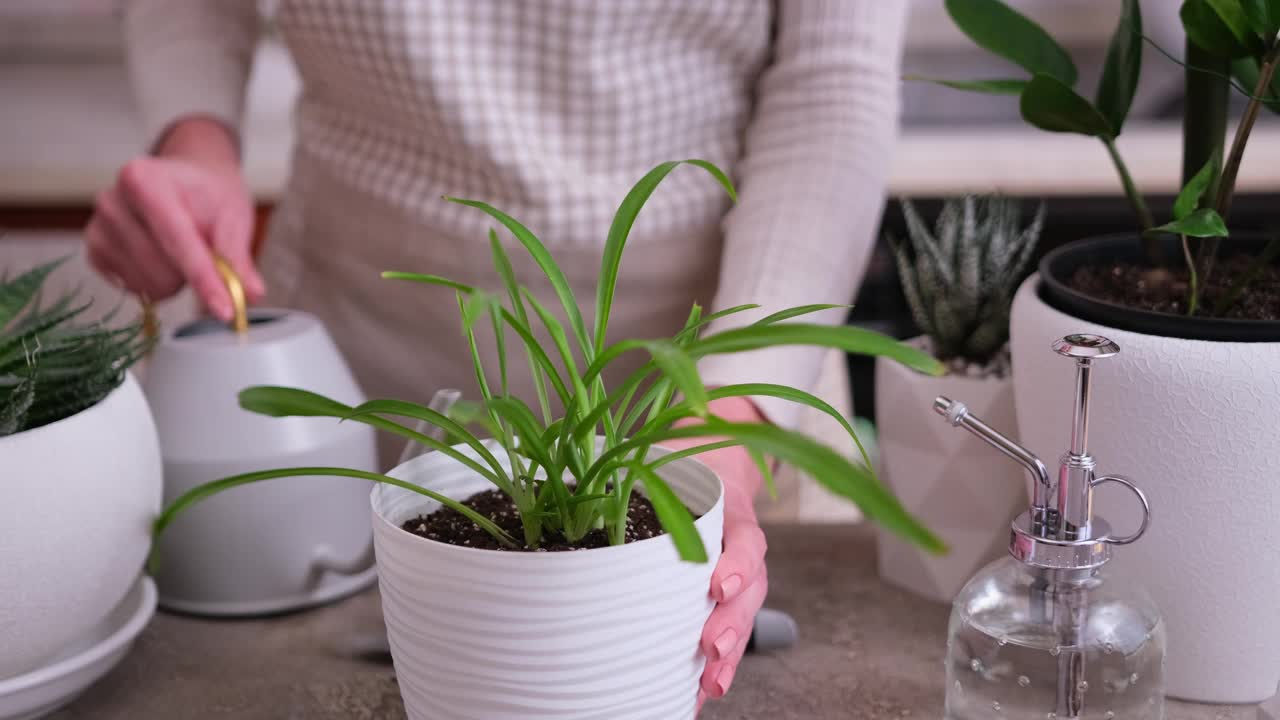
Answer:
(233, 239)
(733, 621)
(152, 194)
(718, 674)
(101, 257)
(148, 272)
(743, 558)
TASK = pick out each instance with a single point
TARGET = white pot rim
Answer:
(547, 558)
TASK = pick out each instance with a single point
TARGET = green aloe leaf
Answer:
(1051, 105)
(623, 220)
(859, 341)
(993, 86)
(1189, 197)
(208, 489)
(995, 26)
(825, 465)
(17, 293)
(1205, 223)
(1124, 63)
(672, 514)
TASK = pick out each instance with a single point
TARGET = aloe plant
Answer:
(562, 484)
(1224, 38)
(959, 279)
(53, 364)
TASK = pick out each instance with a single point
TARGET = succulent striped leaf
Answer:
(959, 278)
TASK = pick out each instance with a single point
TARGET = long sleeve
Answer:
(189, 57)
(811, 181)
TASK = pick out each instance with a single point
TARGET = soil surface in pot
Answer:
(1127, 284)
(447, 525)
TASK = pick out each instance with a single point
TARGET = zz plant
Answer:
(53, 364)
(959, 279)
(562, 479)
(1225, 39)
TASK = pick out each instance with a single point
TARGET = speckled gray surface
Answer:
(866, 651)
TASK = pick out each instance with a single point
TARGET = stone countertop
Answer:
(867, 651)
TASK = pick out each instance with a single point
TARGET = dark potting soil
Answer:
(447, 525)
(1134, 286)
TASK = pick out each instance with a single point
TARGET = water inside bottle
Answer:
(1013, 673)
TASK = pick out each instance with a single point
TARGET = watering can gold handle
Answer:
(240, 313)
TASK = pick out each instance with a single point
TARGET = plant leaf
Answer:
(1236, 18)
(1263, 16)
(1205, 223)
(849, 338)
(1208, 29)
(1124, 63)
(17, 293)
(1189, 197)
(993, 86)
(541, 256)
(1246, 71)
(208, 489)
(620, 229)
(672, 513)
(1051, 105)
(797, 312)
(825, 465)
(677, 365)
(995, 26)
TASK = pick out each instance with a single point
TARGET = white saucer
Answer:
(43, 690)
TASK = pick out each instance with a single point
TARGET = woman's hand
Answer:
(740, 581)
(154, 229)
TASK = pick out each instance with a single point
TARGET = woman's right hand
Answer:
(158, 226)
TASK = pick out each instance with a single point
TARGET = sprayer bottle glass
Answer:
(1046, 633)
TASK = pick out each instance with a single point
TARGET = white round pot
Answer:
(965, 491)
(1192, 422)
(486, 635)
(76, 505)
(274, 546)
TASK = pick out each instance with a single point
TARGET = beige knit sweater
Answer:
(550, 109)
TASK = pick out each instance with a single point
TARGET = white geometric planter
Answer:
(962, 489)
(77, 498)
(604, 633)
(1196, 424)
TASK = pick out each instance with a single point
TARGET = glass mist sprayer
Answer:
(1045, 634)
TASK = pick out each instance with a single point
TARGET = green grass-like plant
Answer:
(563, 484)
(53, 364)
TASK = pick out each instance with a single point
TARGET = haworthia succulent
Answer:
(959, 278)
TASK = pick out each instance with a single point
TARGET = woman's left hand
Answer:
(740, 581)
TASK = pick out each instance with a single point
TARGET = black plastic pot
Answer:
(1059, 264)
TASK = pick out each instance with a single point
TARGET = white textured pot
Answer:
(486, 635)
(1194, 424)
(267, 547)
(77, 498)
(966, 491)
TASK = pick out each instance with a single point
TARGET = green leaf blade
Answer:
(991, 86)
(1189, 197)
(672, 514)
(859, 341)
(1123, 65)
(1203, 223)
(1050, 105)
(1000, 29)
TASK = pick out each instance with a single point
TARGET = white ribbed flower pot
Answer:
(77, 498)
(486, 635)
(964, 490)
(1194, 424)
